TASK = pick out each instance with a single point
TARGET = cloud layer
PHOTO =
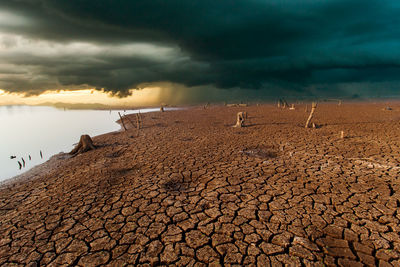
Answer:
(316, 47)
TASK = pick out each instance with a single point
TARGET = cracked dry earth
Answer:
(191, 190)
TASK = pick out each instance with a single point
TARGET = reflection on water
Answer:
(27, 130)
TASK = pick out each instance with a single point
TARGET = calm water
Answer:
(27, 130)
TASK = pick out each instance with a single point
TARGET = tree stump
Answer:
(240, 119)
(85, 144)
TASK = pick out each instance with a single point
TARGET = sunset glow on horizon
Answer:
(137, 97)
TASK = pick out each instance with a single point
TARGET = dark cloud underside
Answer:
(298, 45)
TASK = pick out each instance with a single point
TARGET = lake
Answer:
(27, 130)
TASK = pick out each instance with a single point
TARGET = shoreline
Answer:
(37, 169)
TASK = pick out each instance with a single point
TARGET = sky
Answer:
(201, 49)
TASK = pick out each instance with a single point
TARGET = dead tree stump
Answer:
(313, 107)
(240, 119)
(85, 144)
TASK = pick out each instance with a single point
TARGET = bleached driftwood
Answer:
(85, 144)
(313, 107)
(234, 105)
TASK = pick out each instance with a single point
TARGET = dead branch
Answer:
(138, 121)
(313, 107)
(122, 121)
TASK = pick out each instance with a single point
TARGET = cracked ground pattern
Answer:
(190, 190)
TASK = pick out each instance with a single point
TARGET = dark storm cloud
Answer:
(249, 44)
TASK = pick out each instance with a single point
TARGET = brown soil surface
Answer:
(192, 190)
